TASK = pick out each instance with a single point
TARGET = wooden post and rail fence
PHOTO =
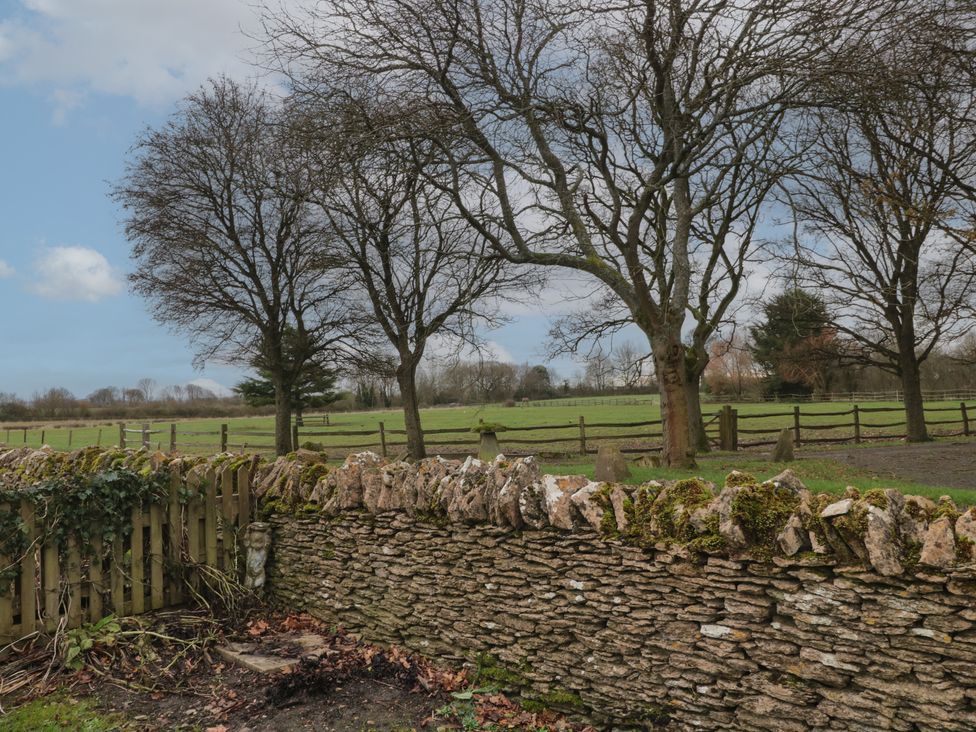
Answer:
(727, 429)
(61, 586)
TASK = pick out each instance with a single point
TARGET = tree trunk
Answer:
(696, 423)
(407, 381)
(669, 363)
(282, 417)
(912, 386)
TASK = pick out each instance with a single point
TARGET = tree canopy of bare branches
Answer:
(886, 199)
(634, 142)
(224, 242)
(419, 269)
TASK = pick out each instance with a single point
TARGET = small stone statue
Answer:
(257, 541)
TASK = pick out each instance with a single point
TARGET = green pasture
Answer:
(556, 426)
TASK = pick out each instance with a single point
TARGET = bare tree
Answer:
(599, 370)
(629, 364)
(104, 396)
(605, 139)
(731, 368)
(148, 387)
(224, 242)
(422, 271)
(888, 196)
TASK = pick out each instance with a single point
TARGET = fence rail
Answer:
(726, 429)
(59, 585)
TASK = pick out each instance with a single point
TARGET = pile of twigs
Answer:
(157, 652)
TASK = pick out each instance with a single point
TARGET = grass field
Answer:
(555, 437)
(558, 426)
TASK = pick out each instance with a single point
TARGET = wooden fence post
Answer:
(175, 534)
(227, 537)
(382, 439)
(857, 425)
(210, 520)
(965, 418)
(137, 570)
(98, 442)
(96, 585)
(121, 435)
(25, 435)
(28, 572)
(145, 435)
(582, 435)
(117, 577)
(243, 513)
(42, 438)
(294, 437)
(223, 438)
(796, 425)
(74, 582)
(156, 588)
(734, 423)
(725, 428)
(172, 438)
(70, 432)
(51, 581)
(6, 597)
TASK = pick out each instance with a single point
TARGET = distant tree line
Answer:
(144, 400)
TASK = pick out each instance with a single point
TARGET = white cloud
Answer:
(6, 270)
(75, 273)
(154, 52)
(64, 100)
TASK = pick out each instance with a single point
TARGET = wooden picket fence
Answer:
(59, 586)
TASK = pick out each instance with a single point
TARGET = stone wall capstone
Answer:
(672, 605)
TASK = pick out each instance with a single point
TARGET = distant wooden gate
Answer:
(58, 586)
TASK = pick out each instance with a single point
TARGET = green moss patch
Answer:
(762, 511)
(59, 713)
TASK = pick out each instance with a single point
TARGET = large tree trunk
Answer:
(669, 364)
(282, 417)
(911, 384)
(407, 381)
(696, 423)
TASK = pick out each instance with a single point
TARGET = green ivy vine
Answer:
(87, 506)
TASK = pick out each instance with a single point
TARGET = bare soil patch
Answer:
(141, 680)
(932, 463)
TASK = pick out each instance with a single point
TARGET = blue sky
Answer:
(79, 79)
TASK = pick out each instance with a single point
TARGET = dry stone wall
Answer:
(755, 607)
